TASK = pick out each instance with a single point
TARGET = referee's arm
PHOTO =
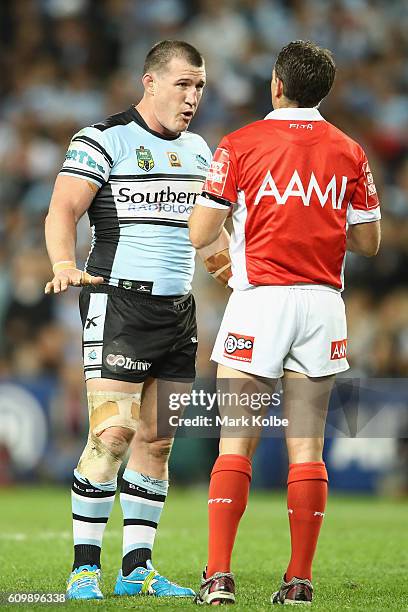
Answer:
(206, 224)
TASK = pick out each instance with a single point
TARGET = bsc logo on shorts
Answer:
(239, 347)
(338, 349)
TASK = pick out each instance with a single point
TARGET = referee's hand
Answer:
(71, 277)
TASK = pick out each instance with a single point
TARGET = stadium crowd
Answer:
(65, 65)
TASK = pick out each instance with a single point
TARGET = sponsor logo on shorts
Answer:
(239, 347)
(120, 361)
(338, 349)
(90, 322)
(220, 500)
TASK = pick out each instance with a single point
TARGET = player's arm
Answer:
(87, 166)
(211, 239)
(363, 213)
(206, 225)
(207, 232)
(364, 238)
(71, 198)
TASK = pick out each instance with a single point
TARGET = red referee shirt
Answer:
(294, 182)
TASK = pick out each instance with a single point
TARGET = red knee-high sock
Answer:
(307, 496)
(227, 500)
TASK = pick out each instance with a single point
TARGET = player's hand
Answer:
(71, 277)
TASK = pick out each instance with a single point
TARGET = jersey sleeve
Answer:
(364, 206)
(220, 188)
(88, 157)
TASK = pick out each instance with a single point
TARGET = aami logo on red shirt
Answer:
(218, 172)
(304, 189)
(239, 347)
(338, 349)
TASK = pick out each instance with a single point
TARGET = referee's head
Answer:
(303, 75)
(173, 79)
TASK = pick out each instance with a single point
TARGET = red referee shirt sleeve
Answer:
(364, 205)
(220, 188)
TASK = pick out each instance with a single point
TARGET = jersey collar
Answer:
(295, 114)
(137, 118)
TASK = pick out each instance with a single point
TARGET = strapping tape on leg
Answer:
(113, 410)
(97, 462)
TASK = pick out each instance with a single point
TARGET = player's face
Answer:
(177, 93)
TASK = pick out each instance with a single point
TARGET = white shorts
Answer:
(271, 328)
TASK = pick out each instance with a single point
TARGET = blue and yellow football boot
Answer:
(149, 582)
(83, 583)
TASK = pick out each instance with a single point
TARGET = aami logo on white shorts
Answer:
(338, 349)
(239, 347)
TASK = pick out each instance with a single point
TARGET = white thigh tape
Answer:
(113, 409)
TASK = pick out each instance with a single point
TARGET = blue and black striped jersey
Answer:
(148, 185)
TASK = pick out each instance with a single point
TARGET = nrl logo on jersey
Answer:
(145, 159)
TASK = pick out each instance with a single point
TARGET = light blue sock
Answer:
(92, 503)
(142, 499)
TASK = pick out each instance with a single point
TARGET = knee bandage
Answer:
(98, 462)
(113, 410)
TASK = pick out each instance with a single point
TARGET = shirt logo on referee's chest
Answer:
(145, 159)
(174, 159)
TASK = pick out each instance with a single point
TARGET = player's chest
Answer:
(143, 158)
(159, 180)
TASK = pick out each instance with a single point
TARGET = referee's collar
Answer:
(295, 114)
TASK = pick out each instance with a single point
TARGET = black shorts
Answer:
(130, 337)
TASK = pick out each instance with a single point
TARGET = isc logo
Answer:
(239, 347)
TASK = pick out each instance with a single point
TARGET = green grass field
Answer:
(362, 561)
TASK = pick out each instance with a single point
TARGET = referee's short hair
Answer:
(160, 55)
(307, 72)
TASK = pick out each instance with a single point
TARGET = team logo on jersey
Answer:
(174, 159)
(239, 347)
(145, 159)
(338, 349)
